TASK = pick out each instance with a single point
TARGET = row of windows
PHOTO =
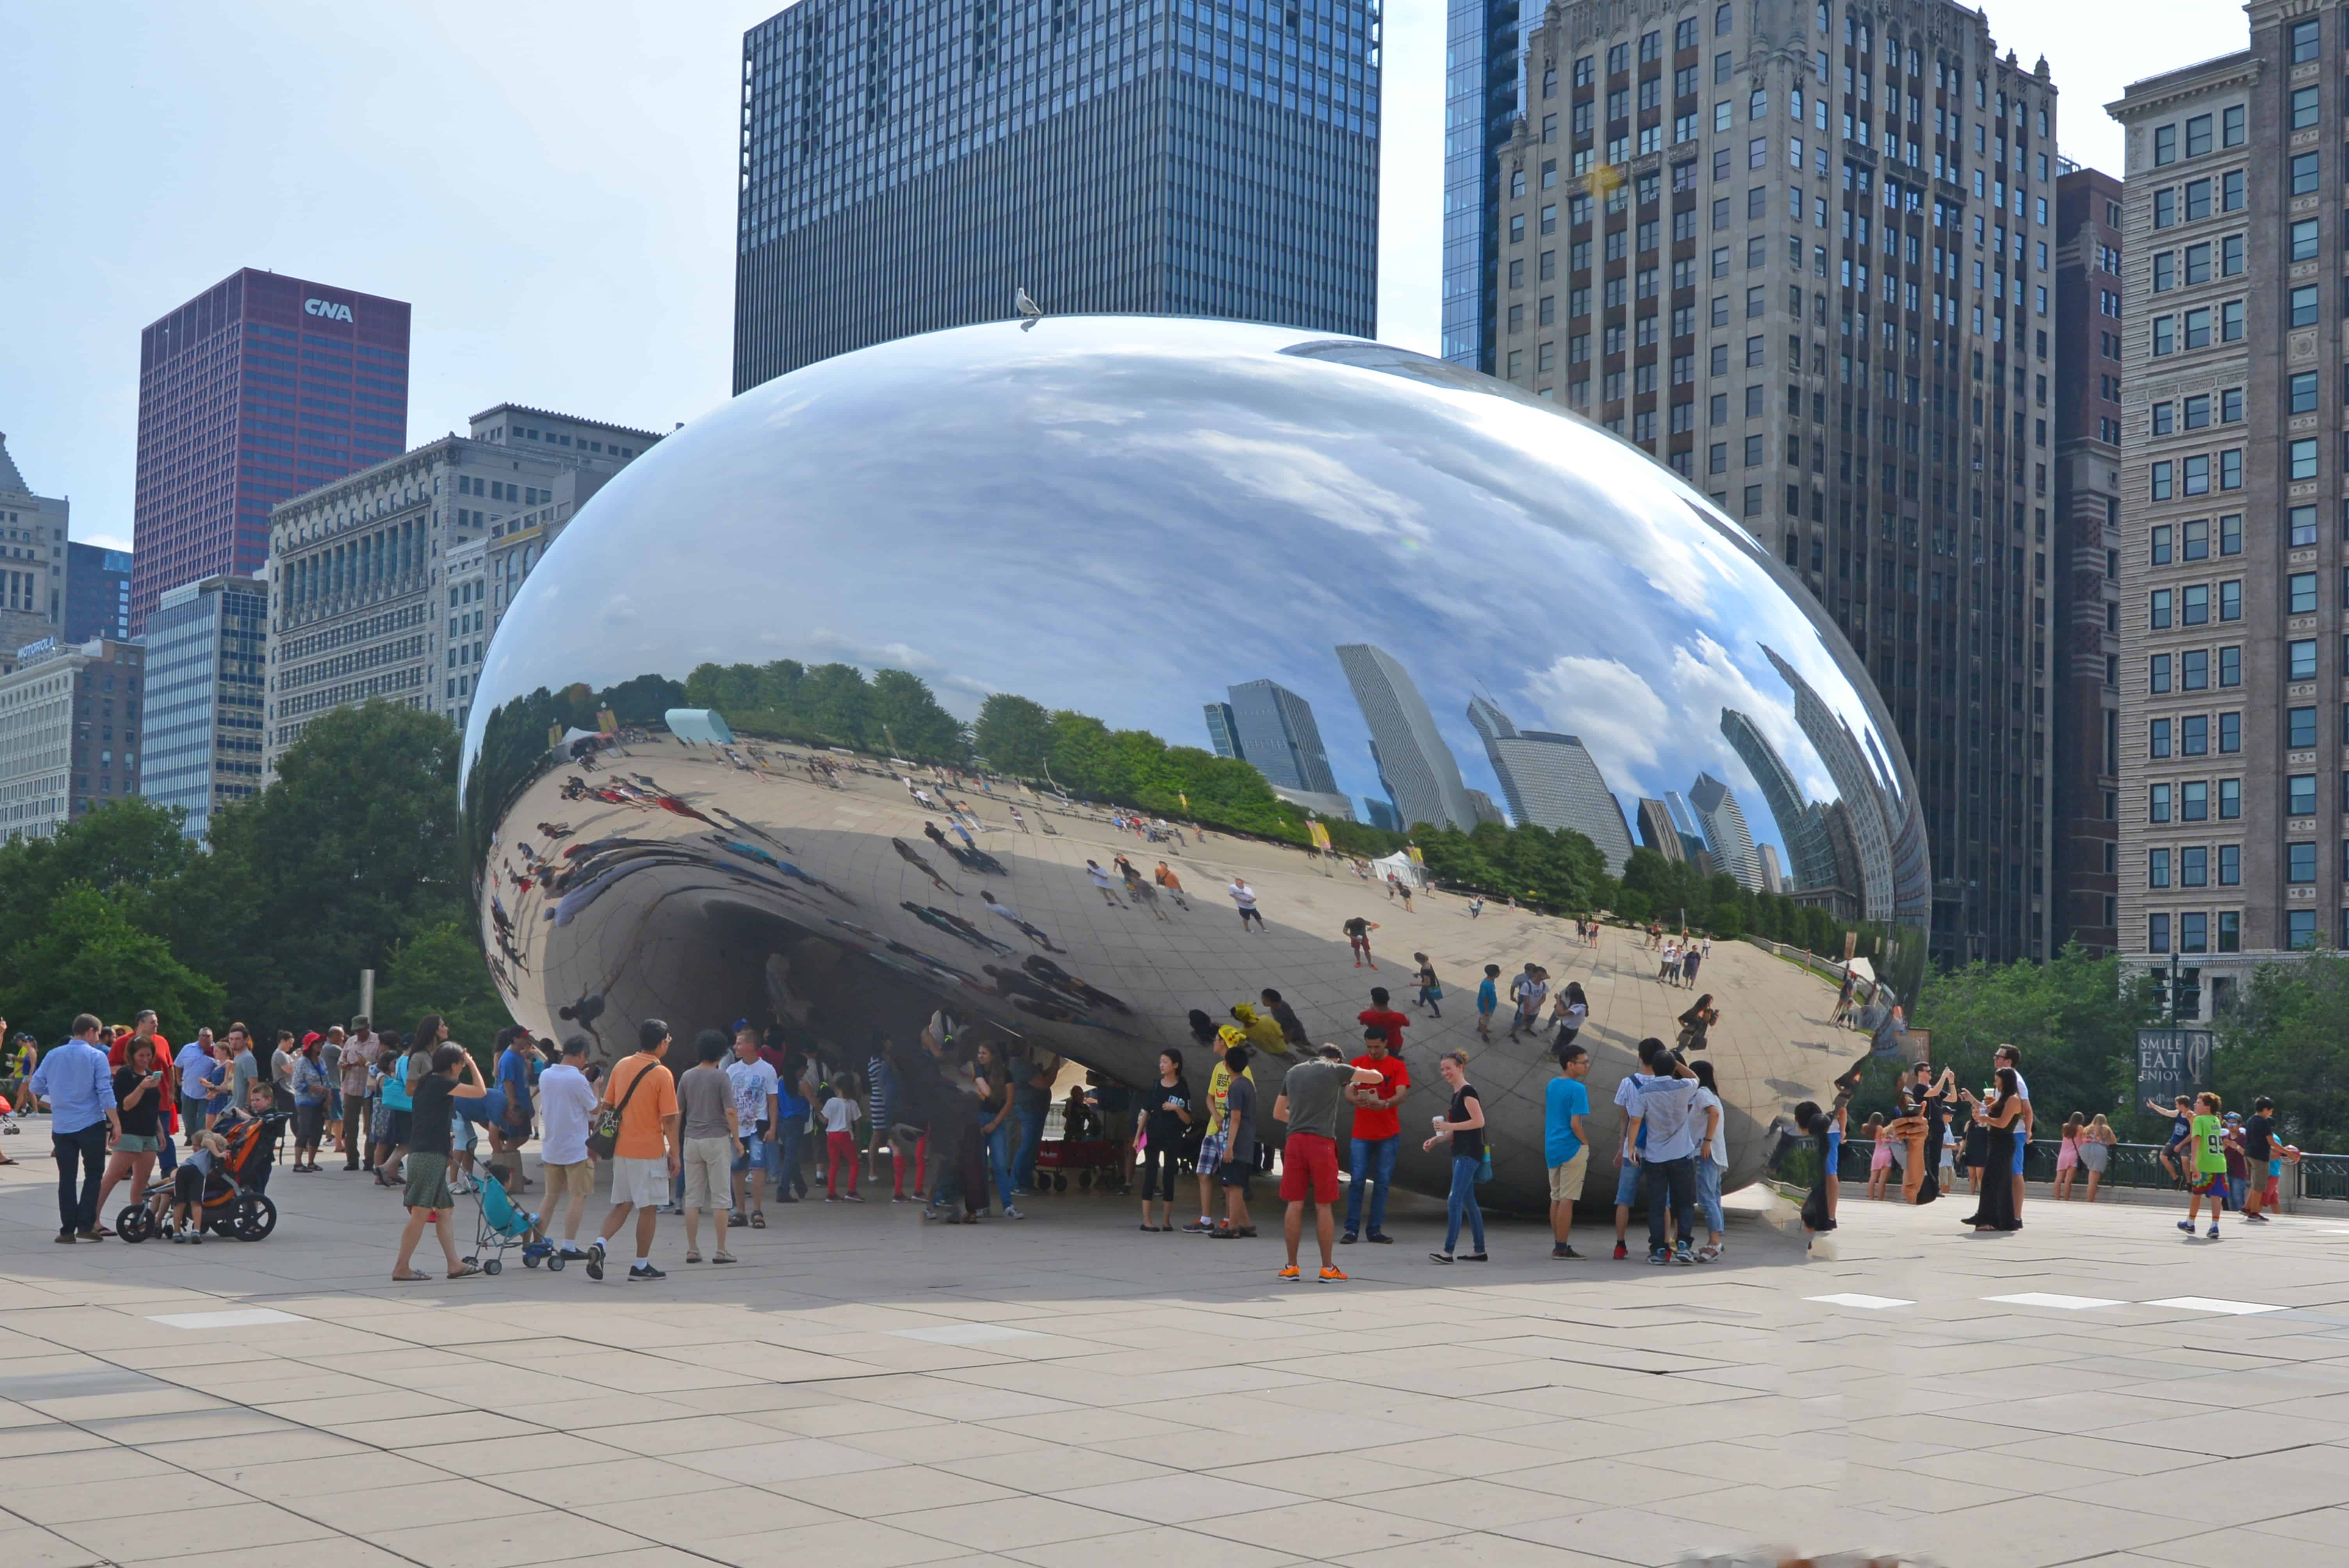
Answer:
(2190, 605)
(2192, 668)
(2195, 865)
(2199, 129)
(2191, 799)
(2192, 475)
(2199, 328)
(2192, 732)
(2196, 198)
(2194, 931)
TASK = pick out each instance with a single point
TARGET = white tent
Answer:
(698, 724)
(1401, 867)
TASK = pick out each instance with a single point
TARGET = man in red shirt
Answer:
(1377, 1126)
(1380, 1016)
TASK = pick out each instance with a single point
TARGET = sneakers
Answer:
(1349, 1239)
(595, 1259)
(573, 1251)
(1333, 1276)
(1660, 1257)
(1620, 1252)
(828, 1197)
(2214, 1233)
(1198, 1227)
(2255, 1219)
(1684, 1254)
(1011, 1213)
(2187, 1226)
(1439, 1257)
(854, 1196)
(638, 1272)
(1380, 1238)
(1562, 1251)
(1289, 1272)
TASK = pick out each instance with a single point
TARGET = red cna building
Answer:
(260, 387)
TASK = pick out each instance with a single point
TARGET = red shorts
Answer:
(1308, 1168)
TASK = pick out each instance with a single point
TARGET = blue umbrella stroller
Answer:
(502, 1225)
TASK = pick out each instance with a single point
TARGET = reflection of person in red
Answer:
(1358, 936)
(1380, 1016)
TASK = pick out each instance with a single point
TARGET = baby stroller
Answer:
(500, 1225)
(235, 1202)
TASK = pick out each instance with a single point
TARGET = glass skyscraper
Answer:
(204, 646)
(1482, 100)
(907, 170)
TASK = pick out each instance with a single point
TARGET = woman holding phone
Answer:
(139, 1094)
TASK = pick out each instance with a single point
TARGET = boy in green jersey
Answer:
(2206, 1139)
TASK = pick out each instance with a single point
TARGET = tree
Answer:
(2289, 1038)
(438, 969)
(1014, 734)
(84, 956)
(320, 875)
(643, 700)
(2072, 1018)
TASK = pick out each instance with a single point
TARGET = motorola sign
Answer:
(327, 308)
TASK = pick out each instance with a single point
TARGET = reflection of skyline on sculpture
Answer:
(1550, 782)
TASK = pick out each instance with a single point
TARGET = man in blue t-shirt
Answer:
(512, 1129)
(1565, 1149)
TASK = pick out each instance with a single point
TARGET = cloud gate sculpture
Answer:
(897, 645)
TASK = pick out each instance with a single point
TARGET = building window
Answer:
(2300, 727)
(2156, 933)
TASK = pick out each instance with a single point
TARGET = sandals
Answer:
(721, 1257)
(758, 1219)
(694, 1256)
(465, 1271)
(413, 1277)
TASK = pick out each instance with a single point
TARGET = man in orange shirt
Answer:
(646, 1153)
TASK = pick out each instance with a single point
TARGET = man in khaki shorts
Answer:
(646, 1155)
(1565, 1146)
(566, 1101)
(712, 1135)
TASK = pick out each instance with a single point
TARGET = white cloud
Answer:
(1617, 715)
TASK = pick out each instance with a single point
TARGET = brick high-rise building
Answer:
(2232, 786)
(259, 388)
(2085, 656)
(1803, 253)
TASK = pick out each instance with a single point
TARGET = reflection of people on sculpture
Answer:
(1052, 975)
(1261, 1031)
(1431, 989)
(1931, 1100)
(1358, 937)
(1245, 897)
(912, 857)
(1569, 1010)
(1166, 878)
(1696, 1021)
(1144, 896)
(1004, 912)
(953, 925)
(1529, 990)
(1826, 1130)
(1100, 880)
(1292, 1031)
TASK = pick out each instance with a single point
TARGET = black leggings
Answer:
(1158, 1171)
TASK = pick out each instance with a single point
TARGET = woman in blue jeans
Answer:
(1463, 1125)
(995, 1098)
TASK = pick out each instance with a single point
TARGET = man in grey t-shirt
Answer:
(1309, 1097)
(1667, 1156)
(710, 1131)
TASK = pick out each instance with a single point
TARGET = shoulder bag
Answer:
(604, 1132)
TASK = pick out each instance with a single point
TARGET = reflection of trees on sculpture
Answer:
(891, 715)
(1557, 871)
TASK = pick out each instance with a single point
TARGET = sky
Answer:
(550, 187)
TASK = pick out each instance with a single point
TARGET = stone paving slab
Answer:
(1064, 1390)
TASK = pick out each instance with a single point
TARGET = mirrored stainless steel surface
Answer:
(1374, 576)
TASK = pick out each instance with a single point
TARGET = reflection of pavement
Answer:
(1772, 1048)
(1067, 1392)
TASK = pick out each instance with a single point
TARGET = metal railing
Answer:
(2137, 1165)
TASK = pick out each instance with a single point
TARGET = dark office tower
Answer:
(1416, 766)
(98, 594)
(1803, 250)
(260, 387)
(1483, 95)
(1275, 731)
(1551, 781)
(907, 170)
(2084, 740)
(1657, 830)
(1222, 732)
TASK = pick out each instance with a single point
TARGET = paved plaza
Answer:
(1067, 1391)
